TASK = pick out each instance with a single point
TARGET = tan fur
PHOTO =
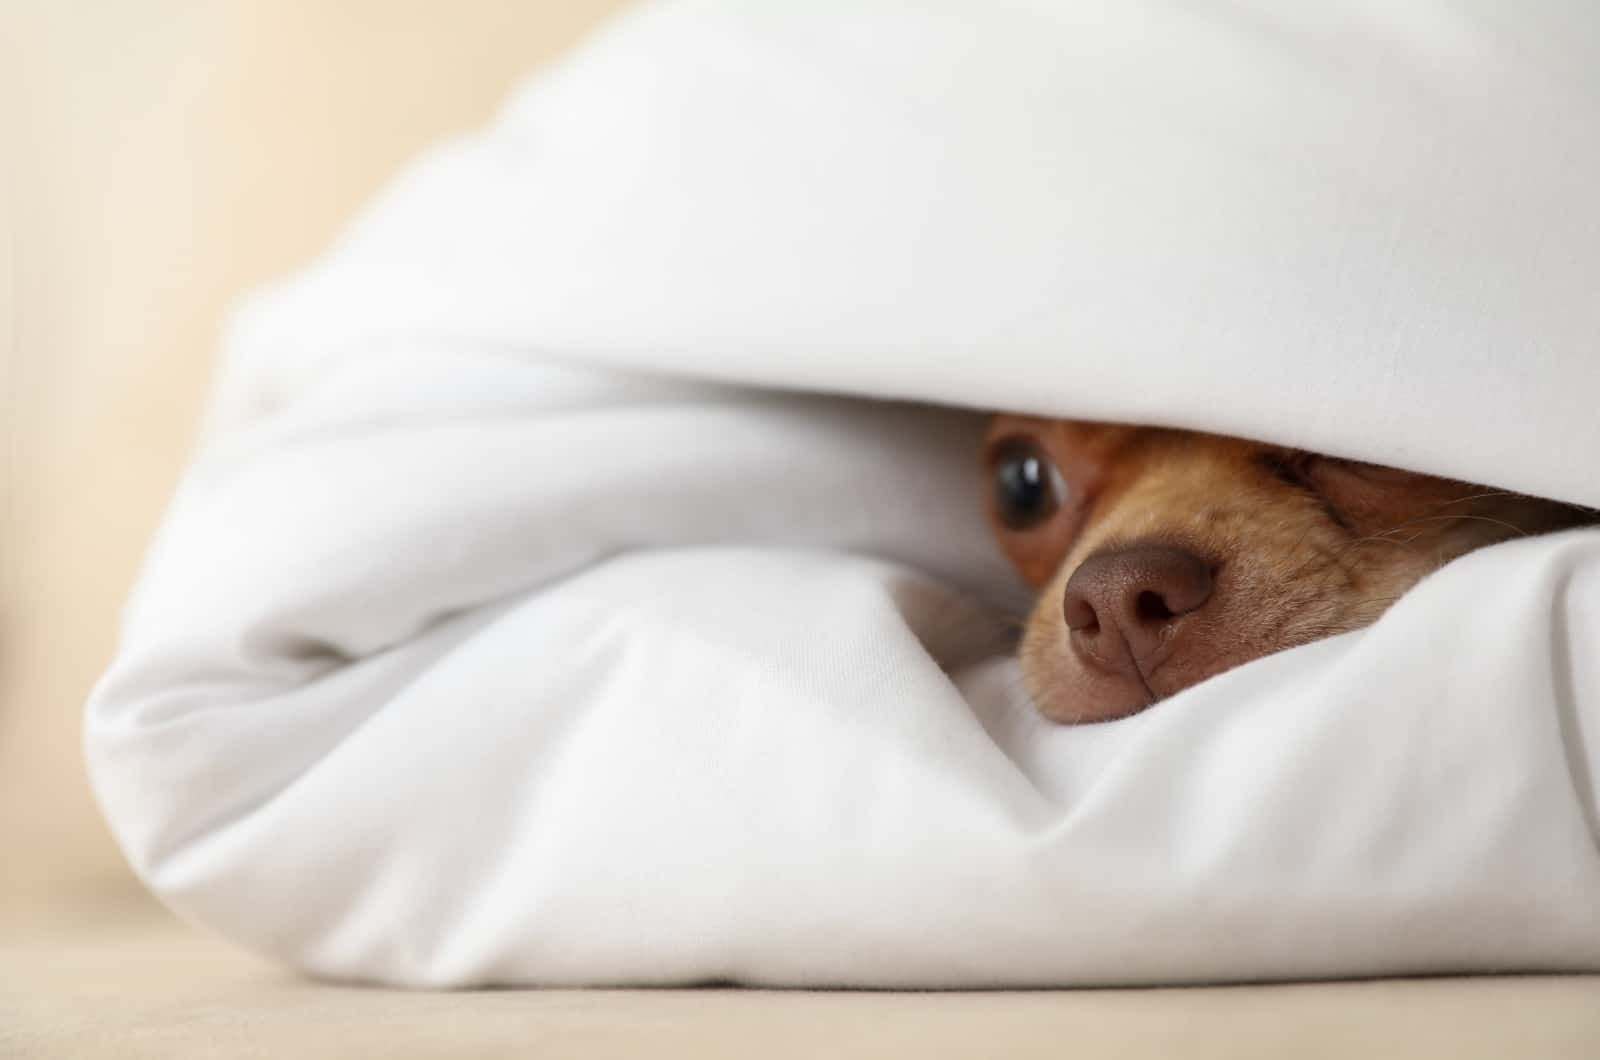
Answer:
(1300, 547)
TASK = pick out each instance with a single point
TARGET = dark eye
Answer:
(1027, 487)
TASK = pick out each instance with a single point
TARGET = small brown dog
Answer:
(1164, 557)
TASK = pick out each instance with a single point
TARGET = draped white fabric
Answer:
(515, 625)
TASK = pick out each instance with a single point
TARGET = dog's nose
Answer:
(1123, 607)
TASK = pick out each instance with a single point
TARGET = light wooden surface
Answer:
(125, 982)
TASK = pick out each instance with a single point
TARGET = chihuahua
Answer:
(1164, 557)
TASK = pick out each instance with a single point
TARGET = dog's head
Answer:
(1164, 557)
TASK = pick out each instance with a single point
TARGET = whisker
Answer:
(1515, 529)
(1485, 495)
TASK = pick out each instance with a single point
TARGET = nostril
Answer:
(1152, 607)
(1079, 613)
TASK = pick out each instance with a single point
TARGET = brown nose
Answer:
(1123, 607)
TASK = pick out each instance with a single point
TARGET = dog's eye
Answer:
(1293, 469)
(1027, 487)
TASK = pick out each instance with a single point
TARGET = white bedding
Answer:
(513, 625)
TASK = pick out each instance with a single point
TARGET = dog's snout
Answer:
(1122, 606)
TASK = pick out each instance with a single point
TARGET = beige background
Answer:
(158, 157)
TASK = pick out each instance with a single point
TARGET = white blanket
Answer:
(514, 626)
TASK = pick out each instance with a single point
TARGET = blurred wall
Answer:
(156, 157)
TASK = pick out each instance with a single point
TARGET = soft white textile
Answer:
(506, 631)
